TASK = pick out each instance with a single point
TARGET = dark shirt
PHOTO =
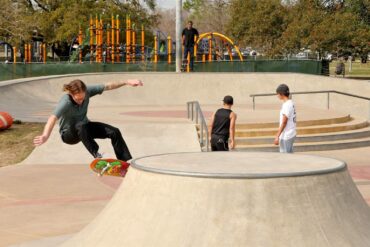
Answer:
(189, 36)
(221, 124)
(69, 113)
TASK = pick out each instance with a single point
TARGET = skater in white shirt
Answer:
(287, 130)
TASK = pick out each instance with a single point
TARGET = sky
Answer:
(166, 4)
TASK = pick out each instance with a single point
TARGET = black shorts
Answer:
(219, 143)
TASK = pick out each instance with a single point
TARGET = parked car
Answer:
(245, 52)
(301, 55)
(233, 52)
(253, 53)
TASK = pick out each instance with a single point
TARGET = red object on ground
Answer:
(5, 120)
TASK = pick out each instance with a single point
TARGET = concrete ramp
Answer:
(141, 138)
(232, 199)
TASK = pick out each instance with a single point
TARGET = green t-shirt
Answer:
(69, 113)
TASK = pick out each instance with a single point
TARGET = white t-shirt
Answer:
(288, 109)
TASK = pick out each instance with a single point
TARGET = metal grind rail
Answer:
(195, 114)
(328, 92)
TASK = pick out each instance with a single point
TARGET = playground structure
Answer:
(30, 52)
(163, 47)
(101, 43)
(8, 51)
(211, 46)
(104, 42)
(120, 41)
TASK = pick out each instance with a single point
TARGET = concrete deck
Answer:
(232, 199)
(237, 165)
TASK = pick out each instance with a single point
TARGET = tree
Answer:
(325, 26)
(167, 22)
(257, 23)
(286, 27)
(16, 23)
(59, 20)
(361, 8)
(302, 18)
(209, 15)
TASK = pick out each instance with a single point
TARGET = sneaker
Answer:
(98, 155)
(124, 167)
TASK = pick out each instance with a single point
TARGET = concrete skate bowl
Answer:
(41, 94)
(232, 199)
(33, 99)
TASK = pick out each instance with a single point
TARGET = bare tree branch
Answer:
(41, 6)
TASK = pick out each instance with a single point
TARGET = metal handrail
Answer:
(195, 114)
(328, 92)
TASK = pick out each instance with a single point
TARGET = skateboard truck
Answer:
(104, 169)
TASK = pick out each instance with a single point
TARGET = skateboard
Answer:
(184, 65)
(111, 167)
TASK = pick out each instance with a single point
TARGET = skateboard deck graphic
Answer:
(111, 167)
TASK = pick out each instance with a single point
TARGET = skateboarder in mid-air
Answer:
(71, 112)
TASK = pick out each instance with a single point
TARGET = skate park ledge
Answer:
(248, 165)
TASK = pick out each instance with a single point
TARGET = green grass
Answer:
(16, 143)
(358, 69)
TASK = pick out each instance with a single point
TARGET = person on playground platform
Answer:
(74, 124)
(222, 127)
(189, 39)
(287, 131)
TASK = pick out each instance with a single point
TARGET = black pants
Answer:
(87, 132)
(189, 49)
(219, 143)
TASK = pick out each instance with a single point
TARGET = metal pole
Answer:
(328, 101)
(188, 110)
(15, 54)
(6, 51)
(197, 113)
(169, 49)
(207, 137)
(201, 134)
(178, 34)
(192, 112)
(254, 104)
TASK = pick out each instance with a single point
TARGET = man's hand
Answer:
(232, 144)
(276, 141)
(134, 82)
(39, 140)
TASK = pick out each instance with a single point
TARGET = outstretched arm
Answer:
(130, 82)
(39, 140)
